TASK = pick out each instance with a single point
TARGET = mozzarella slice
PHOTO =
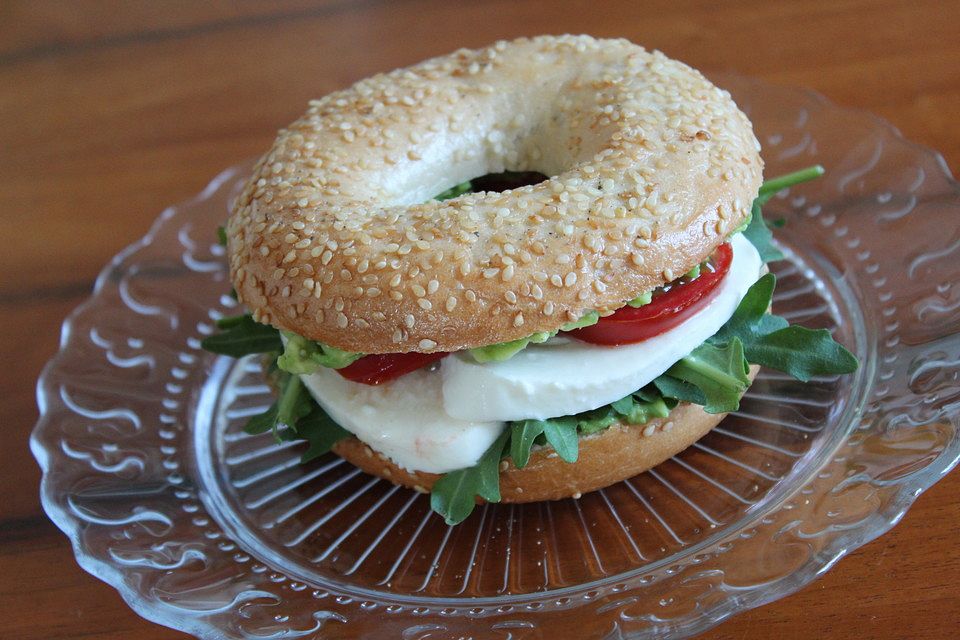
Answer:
(404, 420)
(563, 377)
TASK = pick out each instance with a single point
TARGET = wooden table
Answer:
(111, 111)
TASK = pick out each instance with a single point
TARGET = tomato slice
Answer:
(384, 367)
(668, 309)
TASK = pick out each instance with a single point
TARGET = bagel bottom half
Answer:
(614, 454)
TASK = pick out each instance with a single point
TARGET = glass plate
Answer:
(208, 530)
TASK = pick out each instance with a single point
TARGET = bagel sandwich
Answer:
(518, 273)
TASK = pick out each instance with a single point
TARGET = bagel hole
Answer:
(506, 180)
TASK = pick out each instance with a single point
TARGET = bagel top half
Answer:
(335, 236)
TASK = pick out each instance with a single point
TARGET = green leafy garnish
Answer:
(679, 390)
(760, 236)
(454, 495)
(561, 434)
(720, 373)
(319, 430)
(241, 336)
(756, 229)
(523, 435)
(771, 341)
(292, 404)
(303, 356)
(222, 236)
(774, 186)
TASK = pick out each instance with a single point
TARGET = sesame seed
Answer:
(427, 344)
(425, 304)
(518, 320)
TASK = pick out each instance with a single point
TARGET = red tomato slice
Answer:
(384, 367)
(665, 311)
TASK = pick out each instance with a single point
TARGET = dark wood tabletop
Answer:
(111, 111)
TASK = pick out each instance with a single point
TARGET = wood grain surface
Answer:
(111, 111)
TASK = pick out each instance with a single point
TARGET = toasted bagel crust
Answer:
(605, 458)
(335, 236)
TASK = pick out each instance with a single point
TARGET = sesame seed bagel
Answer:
(335, 236)
(605, 458)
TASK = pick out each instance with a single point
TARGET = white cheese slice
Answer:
(404, 420)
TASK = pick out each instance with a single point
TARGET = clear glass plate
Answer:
(208, 530)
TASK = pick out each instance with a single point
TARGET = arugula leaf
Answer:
(802, 353)
(292, 404)
(751, 320)
(453, 496)
(623, 406)
(771, 341)
(319, 430)
(756, 230)
(775, 185)
(679, 390)
(243, 336)
(561, 433)
(522, 436)
(719, 372)
(760, 236)
(303, 356)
